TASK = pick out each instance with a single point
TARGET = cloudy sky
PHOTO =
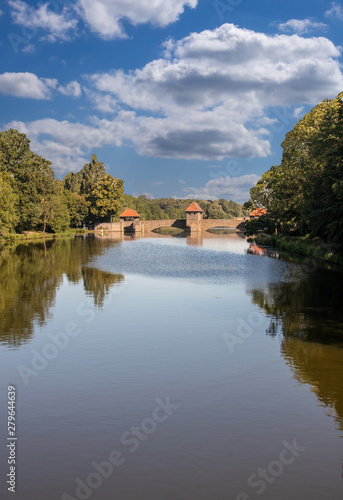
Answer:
(185, 98)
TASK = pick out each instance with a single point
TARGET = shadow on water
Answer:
(31, 273)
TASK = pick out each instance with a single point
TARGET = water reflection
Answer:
(308, 308)
(307, 313)
(30, 275)
(164, 336)
(256, 250)
(319, 366)
(200, 238)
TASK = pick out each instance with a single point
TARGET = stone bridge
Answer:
(238, 223)
(145, 226)
(150, 225)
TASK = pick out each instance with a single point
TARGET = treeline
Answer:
(303, 196)
(31, 199)
(171, 208)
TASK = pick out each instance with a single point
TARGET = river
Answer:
(170, 368)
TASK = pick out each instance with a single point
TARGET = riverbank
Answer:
(39, 235)
(316, 249)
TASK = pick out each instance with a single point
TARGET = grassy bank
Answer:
(316, 249)
(38, 235)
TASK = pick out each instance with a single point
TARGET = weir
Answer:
(194, 222)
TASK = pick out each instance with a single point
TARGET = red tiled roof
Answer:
(194, 207)
(129, 212)
(258, 212)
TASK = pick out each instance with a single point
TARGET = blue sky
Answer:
(184, 98)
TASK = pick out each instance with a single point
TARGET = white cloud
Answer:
(26, 85)
(105, 103)
(211, 98)
(301, 26)
(29, 48)
(182, 181)
(336, 10)
(72, 89)
(208, 97)
(60, 26)
(234, 188)
(298, 112)
(29, 86)
(69, 145)
(104, 16)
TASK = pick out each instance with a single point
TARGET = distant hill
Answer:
(171, 208)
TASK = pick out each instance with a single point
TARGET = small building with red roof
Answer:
(194, 208)
(194, 216)
(258, 212)
(129, 214)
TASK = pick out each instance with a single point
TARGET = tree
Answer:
(14, 149)
(90, 175)
(304, 193)
(32, 175)
(72, 182)
(35, 181)
(78, 207)
(54, 213)
(8, 203)
(106, 197)
(216, 211)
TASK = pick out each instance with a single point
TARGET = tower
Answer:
(194, 217)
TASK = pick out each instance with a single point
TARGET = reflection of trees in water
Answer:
(31, 273)
(321, 367)
(308, 307)
(308, 313)
(98, 283)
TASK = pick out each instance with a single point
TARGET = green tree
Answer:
(90, 175)
(72, 182)
(216, 211)
(54, 213)
(106, 198)
(35, 181)
(304, 194)
(14, 149)
(78, 207)
(33, 177)
(8, 203)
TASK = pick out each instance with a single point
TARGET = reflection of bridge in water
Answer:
(194, 222)
(199, 238)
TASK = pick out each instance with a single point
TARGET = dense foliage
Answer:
(170, 208)
(304, 194)
(31, 199)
